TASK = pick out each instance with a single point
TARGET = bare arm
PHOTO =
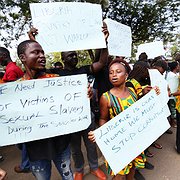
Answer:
(177, 93)
(101, 55)
(104, 111)
(32, 33)
(2, 174)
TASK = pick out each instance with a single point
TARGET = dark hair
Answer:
(23, 46)
(58, 63)
(123, 62)
(139, 69)
(159, 62)
(177, 57)
(63, 54)
(143, 57)
(5, 51)
(172, 65)
(1, 74)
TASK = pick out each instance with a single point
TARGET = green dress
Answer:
(117, 106)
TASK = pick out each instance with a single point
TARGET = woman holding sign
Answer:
(114, 102)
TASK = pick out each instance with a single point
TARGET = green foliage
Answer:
(51, 58)
(83, 57)
(148, 19)
(175, 48)
(14, 19)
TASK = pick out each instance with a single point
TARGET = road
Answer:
(165, 160)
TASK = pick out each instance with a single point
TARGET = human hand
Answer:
(90, 92)
(157, 90)
(105, 31)
(32, 33)
(2, 174)
(91, 136)
(146, 89)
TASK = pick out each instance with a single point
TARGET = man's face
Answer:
(34, 57)
(3, 62)
(70, 59)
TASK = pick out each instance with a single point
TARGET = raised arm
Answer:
(101, 55)
(32, 33)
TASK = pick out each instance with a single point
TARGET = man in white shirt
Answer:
(173, 82)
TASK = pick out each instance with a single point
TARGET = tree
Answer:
(15, 18)
(148, 19)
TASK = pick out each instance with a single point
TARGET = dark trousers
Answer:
(90, 148)
(178, 131)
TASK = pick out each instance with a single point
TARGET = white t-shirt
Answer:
(173, 81)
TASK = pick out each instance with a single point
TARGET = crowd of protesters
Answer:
(114, 82)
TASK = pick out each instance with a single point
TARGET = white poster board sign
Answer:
(42, 108)
(157, 79)
(152, 49)
(66, 26)
(120, 39)
(128, 134)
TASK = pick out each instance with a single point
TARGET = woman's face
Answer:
(117, 74)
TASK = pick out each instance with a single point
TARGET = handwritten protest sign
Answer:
(42, 108)
(152, 49)
(66, 26)
(120, 38)
(128, 134)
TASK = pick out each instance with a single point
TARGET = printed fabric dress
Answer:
(178, 99)
(117, 106)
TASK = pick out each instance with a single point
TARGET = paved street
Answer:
(165, 160)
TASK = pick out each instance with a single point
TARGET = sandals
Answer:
(156, 145)
(149, 154)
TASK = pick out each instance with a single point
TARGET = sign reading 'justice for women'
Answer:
(42, 108)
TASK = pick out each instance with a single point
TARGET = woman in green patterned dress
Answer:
(114, 102)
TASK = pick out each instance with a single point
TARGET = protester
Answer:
(101, 85)
(161, 65)
(124, 97)
(177, 57)
(177, 95)
(1, 77)
(70, 61)
(41, 152)
(12, 71)
(2, 174)
(143, 57)
(24, 166)
(57, 66)
(173, 82)
(139, 80)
